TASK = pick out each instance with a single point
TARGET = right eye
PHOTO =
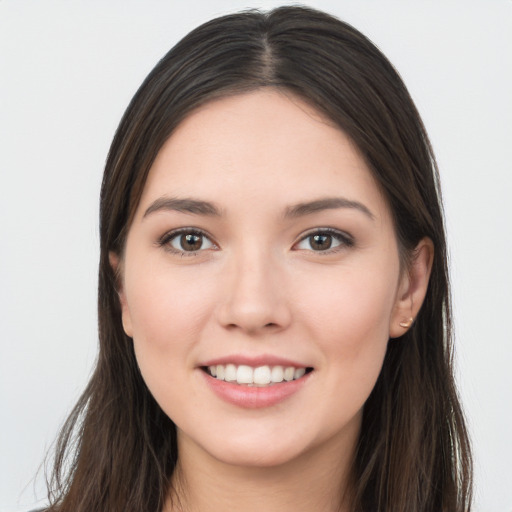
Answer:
(187, 242)
(325, 240)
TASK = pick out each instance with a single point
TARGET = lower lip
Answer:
(252, 397)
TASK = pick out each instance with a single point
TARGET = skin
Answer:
(258, 287)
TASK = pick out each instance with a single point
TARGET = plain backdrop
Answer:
(68, 70)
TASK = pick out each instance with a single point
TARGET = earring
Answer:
(406, 324)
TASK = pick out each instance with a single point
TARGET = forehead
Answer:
(264, 145)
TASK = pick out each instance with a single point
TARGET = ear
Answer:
(412, 289)
(116, 264)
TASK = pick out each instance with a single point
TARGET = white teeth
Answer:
(259, 376)
(262, 375)
(299, 372)
(277, 374)
(289, 373)
(230, 373)
(244, 375)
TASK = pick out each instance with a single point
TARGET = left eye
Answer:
(323, 241)
(189, 241)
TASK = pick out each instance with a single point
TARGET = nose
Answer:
(254, 299)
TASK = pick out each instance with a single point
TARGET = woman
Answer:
(273, 301)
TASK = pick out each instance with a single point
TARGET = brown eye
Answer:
(189, 241)
(320, 242)
(325, 240)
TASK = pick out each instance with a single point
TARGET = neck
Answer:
(316, 480)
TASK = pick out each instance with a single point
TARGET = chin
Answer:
(273, 446)
(257, 456)
(247, 447)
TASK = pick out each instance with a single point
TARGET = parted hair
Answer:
(118, 449)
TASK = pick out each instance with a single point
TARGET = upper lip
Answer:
(254, 361)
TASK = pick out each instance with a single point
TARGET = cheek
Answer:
(167, 316)
(166, 310)
(350, 321)
(352, 303)
(167, 313)
(351, 327)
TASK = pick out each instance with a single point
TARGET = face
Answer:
(261, 250)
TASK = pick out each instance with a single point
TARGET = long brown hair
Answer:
(117, 451)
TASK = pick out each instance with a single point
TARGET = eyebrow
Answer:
(327, 203)
(199, 207)
(186, 205)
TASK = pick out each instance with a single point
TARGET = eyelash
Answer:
(166, 240)
(344, 239)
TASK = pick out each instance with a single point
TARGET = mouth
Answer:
(259, 376)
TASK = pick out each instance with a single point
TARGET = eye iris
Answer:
(321, 242)
(191, 242)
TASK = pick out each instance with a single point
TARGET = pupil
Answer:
(321, 242)
(191, 242)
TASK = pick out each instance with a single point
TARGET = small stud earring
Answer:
(406, 324)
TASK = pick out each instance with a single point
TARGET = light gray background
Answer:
(67, 72)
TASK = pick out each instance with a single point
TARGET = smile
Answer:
(260, 376)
